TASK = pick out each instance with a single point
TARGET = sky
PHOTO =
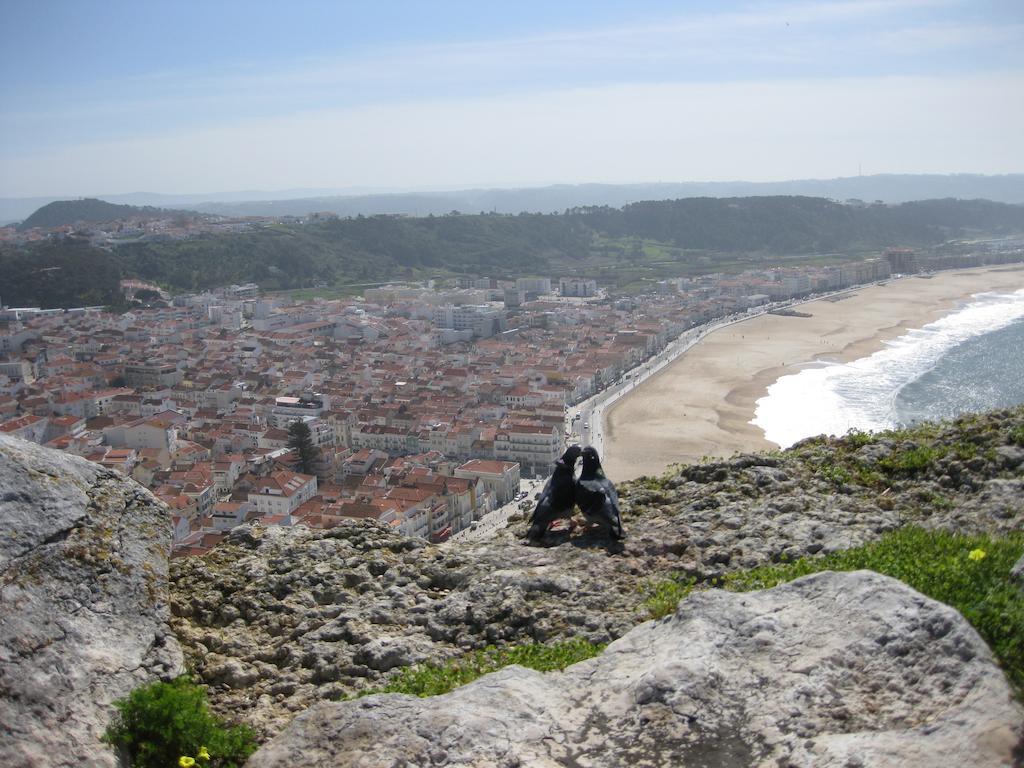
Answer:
(113, 96)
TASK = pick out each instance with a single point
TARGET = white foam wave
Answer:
(837, 397)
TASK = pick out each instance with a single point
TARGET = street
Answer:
(493, 521)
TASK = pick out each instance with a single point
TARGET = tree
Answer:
(300, 440)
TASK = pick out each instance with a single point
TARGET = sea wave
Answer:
(834, 398)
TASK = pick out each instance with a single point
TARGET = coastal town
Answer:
(430, 404)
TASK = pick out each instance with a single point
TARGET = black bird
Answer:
(596, 495)
(558, 497)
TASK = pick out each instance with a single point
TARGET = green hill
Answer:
(642, 241)
(87, 210)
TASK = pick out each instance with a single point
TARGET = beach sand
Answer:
(702, 403)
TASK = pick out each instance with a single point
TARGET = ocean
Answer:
(969, 360)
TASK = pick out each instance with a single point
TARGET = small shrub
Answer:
(1016, 436)
(834, 474)
(855, 439)
(434, 679)
(911, 462)
(965, 450)
(935, 500)
(161, 722)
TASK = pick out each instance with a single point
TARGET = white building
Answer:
(282, 492)
(501, 478)
(536, 448)
(289, 409)
(482, 319)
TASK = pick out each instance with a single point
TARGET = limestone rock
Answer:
(83, 603)
(321, 615)
(329, 613)
(835, 669)
(1017, 572)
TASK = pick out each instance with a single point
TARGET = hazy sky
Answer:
(108, 96)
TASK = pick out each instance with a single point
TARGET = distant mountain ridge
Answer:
(889, 188)
(557, 198)
(88, 210)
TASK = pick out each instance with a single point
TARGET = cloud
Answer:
(616, 133)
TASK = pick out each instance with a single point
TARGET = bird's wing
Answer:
(611, 493)
(545, 494)
(598, 498)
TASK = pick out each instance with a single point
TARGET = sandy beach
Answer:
(702, 403)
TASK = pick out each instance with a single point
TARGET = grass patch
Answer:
(434, 679)
(937, 564)
(662, 596)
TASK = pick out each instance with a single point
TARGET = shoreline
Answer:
(701, 404)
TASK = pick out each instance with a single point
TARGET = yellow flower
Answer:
(977, 554)
(186, 762)
(203, 754)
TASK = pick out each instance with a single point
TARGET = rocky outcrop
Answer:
(279, 620)
(836, 669)
(83, 603)
(275, 620)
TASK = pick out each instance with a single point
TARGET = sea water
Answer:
(970, 360)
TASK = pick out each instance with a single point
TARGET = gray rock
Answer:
(830, 670)
(1010, 456)
(872, 453)
(83, 603)
(384, 653)
(1017, 572)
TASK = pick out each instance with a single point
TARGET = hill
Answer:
(647, 240)
(86, 211)
(888, 188)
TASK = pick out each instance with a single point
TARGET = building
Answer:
(152, 375)
(19, 370)
(534, 447)
(289, 409)
(155, 433)
(534, 285)
(501, 478)
(482, 320)
(577, 286)
(282, 492)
